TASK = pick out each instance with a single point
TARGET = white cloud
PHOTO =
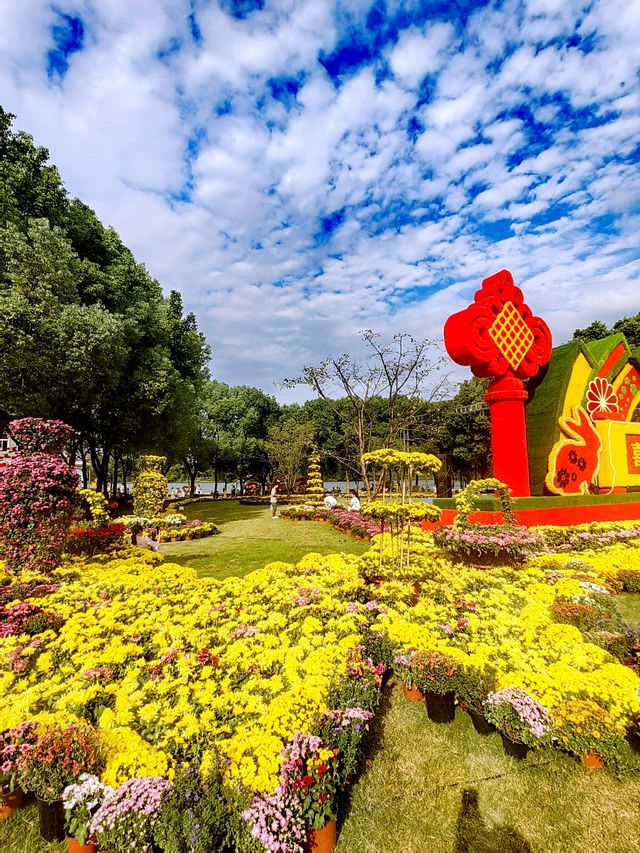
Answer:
(419, 53)
(270, 289)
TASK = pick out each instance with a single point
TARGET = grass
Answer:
(629, 606)
(446, 789)
(19, 833)
(249, 539)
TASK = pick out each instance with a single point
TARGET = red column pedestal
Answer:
(506, 398)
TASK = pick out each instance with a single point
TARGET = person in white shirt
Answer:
(330, 502)
(354, 503)
(273, 500)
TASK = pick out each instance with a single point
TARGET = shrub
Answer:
(150, 487)
(518, 716)
(58, 758)
(37, 496)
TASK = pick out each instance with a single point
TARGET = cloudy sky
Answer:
(304, 169)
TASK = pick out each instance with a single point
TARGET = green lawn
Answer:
(629, 607)
(249, 539)
(446, 789)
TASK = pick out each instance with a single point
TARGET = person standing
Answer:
(273, 500)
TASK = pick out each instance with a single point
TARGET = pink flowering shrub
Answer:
(500, 542)
(126, 818)
(37, 496)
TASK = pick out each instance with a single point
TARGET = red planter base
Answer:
(322, 840)
(9, 803)
(412, 694)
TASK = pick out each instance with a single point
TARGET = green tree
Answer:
(87, 334)
(287, 446)
(382, 397)
(593, 332)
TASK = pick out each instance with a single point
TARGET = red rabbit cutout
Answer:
(575, 459)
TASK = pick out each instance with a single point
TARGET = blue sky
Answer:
(304, 169)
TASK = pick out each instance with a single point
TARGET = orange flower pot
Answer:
(412, 694)
(322, 840)
(75, 847)
(10, 803)
(592, 760)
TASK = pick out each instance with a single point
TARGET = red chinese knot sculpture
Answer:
(498, 336)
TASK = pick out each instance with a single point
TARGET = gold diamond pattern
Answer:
(511, 335)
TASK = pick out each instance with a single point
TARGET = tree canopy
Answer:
(88, 335)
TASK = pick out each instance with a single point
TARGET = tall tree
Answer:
(87, 334)
(287, 446)
(396, 377)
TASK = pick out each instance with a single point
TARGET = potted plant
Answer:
(14, 744)
(474, 685)
(522, 721)
(403, 667)
(436, 674)
(56, 760)
(194, 812)
(587, 731)
(81, 801)
(311, 769)
(342, 731)
(125, 820)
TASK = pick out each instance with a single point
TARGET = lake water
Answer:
(207, 486)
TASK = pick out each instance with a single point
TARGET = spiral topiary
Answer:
(38, 496)
(150, 486)
(315, 483)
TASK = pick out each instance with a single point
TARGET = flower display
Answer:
(582, 726)
(467, 497)
(37, 496)
(14, 745)
(517, 715)
(479, 540)
(81, 801)
(254, 693)
(126, 818)
(96, 505)
(150, 486)
(315, 483)
(194, 812)
(434, 671)
(58, 758)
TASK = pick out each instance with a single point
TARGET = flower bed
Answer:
(170, 668)
(269, 681)
(353, 523)
(505, 623)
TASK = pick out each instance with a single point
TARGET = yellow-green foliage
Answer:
(97, 505)
(510, 626)
(171, 667)
(150, 487)
(315, 483)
